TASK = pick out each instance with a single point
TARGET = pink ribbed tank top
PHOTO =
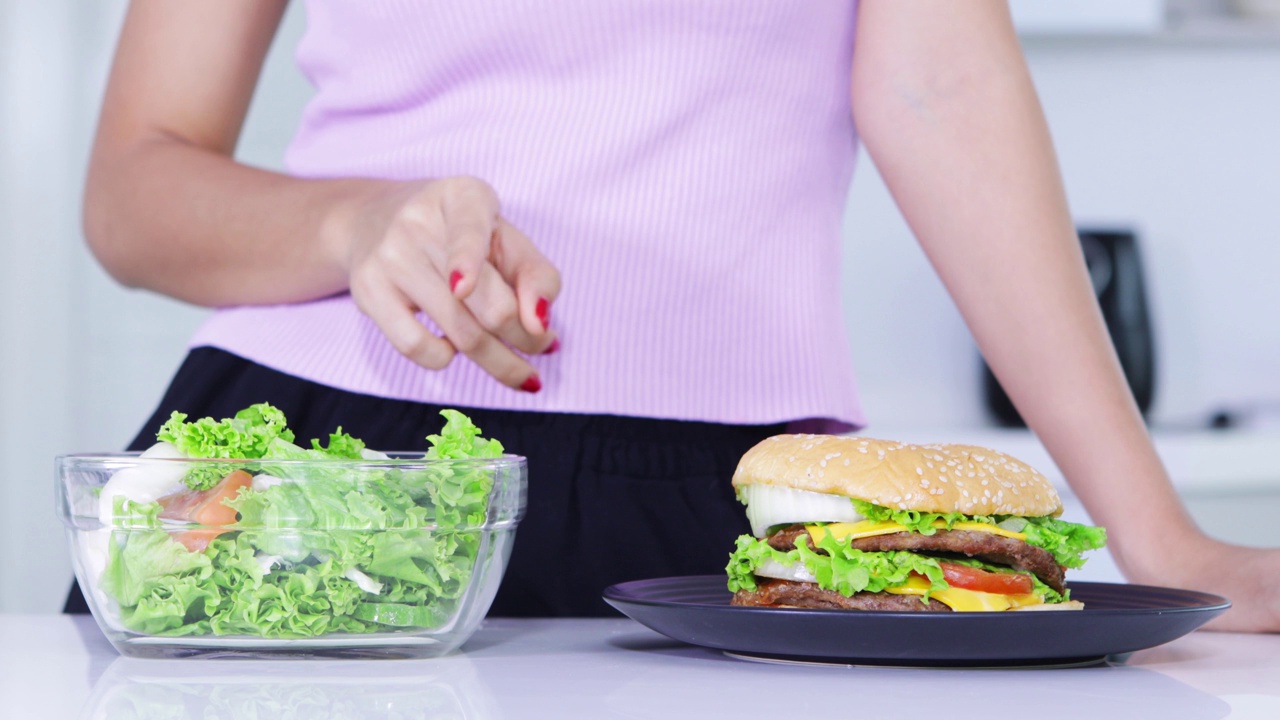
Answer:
(684, 163)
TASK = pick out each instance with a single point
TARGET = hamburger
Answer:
(864, 524)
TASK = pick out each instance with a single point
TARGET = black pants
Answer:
(611, 498)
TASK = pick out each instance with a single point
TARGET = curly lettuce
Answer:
(1066, 541)
(317, 549)
(846, 570)
(842, 568)
(248, 435)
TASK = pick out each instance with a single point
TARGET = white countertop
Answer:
(58, 667)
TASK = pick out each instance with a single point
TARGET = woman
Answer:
(683, 168)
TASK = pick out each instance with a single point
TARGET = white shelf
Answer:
(1199, 461)
(1181, 27)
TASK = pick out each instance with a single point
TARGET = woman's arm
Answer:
(945, 104)
(167, 208)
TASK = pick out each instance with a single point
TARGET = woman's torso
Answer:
(683, 163)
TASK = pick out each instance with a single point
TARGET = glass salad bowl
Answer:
(392, 556)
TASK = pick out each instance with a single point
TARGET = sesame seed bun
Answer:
(929, 478)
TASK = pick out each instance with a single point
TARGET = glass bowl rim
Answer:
(395, 459)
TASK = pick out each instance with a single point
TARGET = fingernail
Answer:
(554, 346)
(455, 277)
(543, 311)
(532, 384)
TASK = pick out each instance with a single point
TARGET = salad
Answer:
(267, 546)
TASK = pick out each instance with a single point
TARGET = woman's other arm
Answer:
(167, 208)
(945, 104)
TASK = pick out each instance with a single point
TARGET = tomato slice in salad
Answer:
(979, 580)
(204, 507)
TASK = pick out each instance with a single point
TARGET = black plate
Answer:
(1117, 619)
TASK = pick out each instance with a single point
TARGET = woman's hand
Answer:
(442, 248)
(1248, 576)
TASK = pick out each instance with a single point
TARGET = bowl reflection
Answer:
(134, 689)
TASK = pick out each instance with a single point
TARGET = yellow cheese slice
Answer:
(984, 527)
(961, 600)
(870, 528)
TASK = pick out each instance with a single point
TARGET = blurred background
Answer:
(1164, 114)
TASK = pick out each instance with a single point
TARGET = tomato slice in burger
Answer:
(979, 580)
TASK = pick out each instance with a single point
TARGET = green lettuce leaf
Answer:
(843, 569)
(916, 521)
(1066, 541)
(341, 445)
(138, 560)
(460, 440)
(246, 436)
(847, 570)
(126, 513)
(288, 567)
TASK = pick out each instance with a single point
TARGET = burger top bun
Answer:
(929, 478)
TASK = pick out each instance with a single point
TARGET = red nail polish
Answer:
(543, 311)
(455, 277)
(554, 346)
(532, 384)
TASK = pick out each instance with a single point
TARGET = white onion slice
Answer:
(365, 582)
(143, 483)
(774, 569)
(266, 562)
(263, 481)
(769, 505)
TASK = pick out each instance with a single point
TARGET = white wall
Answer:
(82, 361)
(1176, 139)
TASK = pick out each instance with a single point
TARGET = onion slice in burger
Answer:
(769, 505)
(773, 569)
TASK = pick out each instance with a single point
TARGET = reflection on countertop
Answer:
(143, 689)
(53, 667)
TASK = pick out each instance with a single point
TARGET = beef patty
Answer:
(995, 549)
(786, 593)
